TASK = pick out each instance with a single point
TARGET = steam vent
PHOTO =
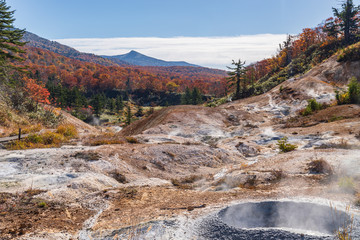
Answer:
(277, 220)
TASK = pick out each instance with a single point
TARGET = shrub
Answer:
(281, 88)
(30, 129)
(3, 118)
(42, 204)
(354, 90)
(351, 53)
(131, 140)
(217, 102)
(34, 138)
(16, 145)
(319, 166)
(68, 131)
(352, 96)
(312, 106)
(336, 118)
(284, 146)
(50, 138)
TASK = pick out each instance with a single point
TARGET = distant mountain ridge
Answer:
(132, 58)
(138, 59)
(35, 41)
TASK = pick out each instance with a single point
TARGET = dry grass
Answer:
(24, 212)
(45, 140)
(104, 139)
(344, 232)
(319, 166)
(27, 129)
(186, 182)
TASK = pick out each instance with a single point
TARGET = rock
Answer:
(246, 150)
(240, 179)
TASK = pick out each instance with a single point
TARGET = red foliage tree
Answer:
(37, 93)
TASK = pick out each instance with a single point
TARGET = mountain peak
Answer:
(133, 51)
(135, 58)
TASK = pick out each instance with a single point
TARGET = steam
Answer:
(299, 216)
(269, 132)
(116, 129)
(95, 121)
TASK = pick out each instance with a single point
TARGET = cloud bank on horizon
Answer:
(213, 52)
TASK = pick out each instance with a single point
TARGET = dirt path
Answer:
(8, 139)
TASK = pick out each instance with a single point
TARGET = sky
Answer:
(205, 32)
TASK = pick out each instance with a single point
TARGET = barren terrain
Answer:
(187, 163)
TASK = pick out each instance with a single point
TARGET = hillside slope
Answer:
(35, 41)
(263, 110)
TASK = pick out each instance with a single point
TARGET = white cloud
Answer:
(214, 52)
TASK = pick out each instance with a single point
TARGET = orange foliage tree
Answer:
(37, 93)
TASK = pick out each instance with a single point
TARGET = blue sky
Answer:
(167, 19)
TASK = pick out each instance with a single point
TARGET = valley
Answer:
(122, 145)
(187, 162)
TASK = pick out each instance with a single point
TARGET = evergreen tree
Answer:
(128, 85)
(119, 103)
(112, 105)
(97, 104)
(186, 97)
(349, 20)
(59, 95)
(10, 36)
(128, 114)
(196, 96)
(9, 40)
(236, 76)
(287, 46)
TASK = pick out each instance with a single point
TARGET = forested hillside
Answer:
(300, 53)
(48, 67)
(32, 40)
